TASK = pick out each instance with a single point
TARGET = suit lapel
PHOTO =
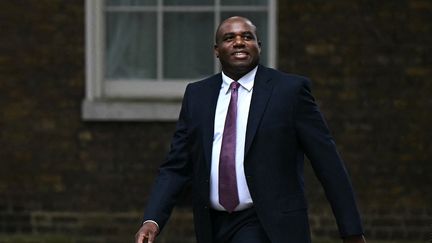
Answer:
(261, 93)
(209, 110)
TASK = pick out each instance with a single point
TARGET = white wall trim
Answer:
(94, 26)
(272, 28)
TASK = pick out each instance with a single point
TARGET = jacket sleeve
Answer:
(173, 174)
(320, 148)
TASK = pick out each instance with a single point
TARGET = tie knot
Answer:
(234, 85)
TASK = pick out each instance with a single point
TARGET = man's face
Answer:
(237, 47)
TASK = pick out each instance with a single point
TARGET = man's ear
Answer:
(216, 50)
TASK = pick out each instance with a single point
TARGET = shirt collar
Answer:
(247, 81)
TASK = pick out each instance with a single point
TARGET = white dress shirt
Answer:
(243, 104)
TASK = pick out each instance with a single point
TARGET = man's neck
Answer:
(236, 74)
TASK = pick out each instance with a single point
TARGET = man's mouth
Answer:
(240, 54)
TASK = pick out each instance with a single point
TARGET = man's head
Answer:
(237, 46)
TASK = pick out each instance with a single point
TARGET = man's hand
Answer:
(354, 239)
(149, 231)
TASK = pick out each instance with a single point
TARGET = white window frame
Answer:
(144, 100)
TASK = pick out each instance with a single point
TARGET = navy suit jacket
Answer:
(284, 124)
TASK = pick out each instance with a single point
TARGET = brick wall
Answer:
(371, 65)
(88, 181)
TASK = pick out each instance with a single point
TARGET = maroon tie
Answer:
(228, 194)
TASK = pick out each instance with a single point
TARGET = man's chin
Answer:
(239, 67)
(242, 65)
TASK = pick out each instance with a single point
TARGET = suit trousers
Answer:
(237, 227)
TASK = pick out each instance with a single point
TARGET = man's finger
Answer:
(150, 237)
(139, 238)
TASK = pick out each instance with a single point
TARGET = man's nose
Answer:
(238, 41)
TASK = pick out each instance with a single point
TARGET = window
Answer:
(140, 54)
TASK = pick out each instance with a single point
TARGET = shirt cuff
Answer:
(152, 221)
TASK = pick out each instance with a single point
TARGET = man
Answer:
(241, 139)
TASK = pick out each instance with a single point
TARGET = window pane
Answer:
(188, 45)
(189, 2)
(260, 20)
(130, 2)
(244, 2)
(130, 46)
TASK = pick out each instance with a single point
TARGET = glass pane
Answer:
(130, 2)
(188, 2)
(130, 46)
(188, 45)
(244, 2)
(260, 21)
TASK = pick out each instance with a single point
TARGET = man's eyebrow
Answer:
(242, 33)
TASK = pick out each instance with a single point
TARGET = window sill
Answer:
(122, 110)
